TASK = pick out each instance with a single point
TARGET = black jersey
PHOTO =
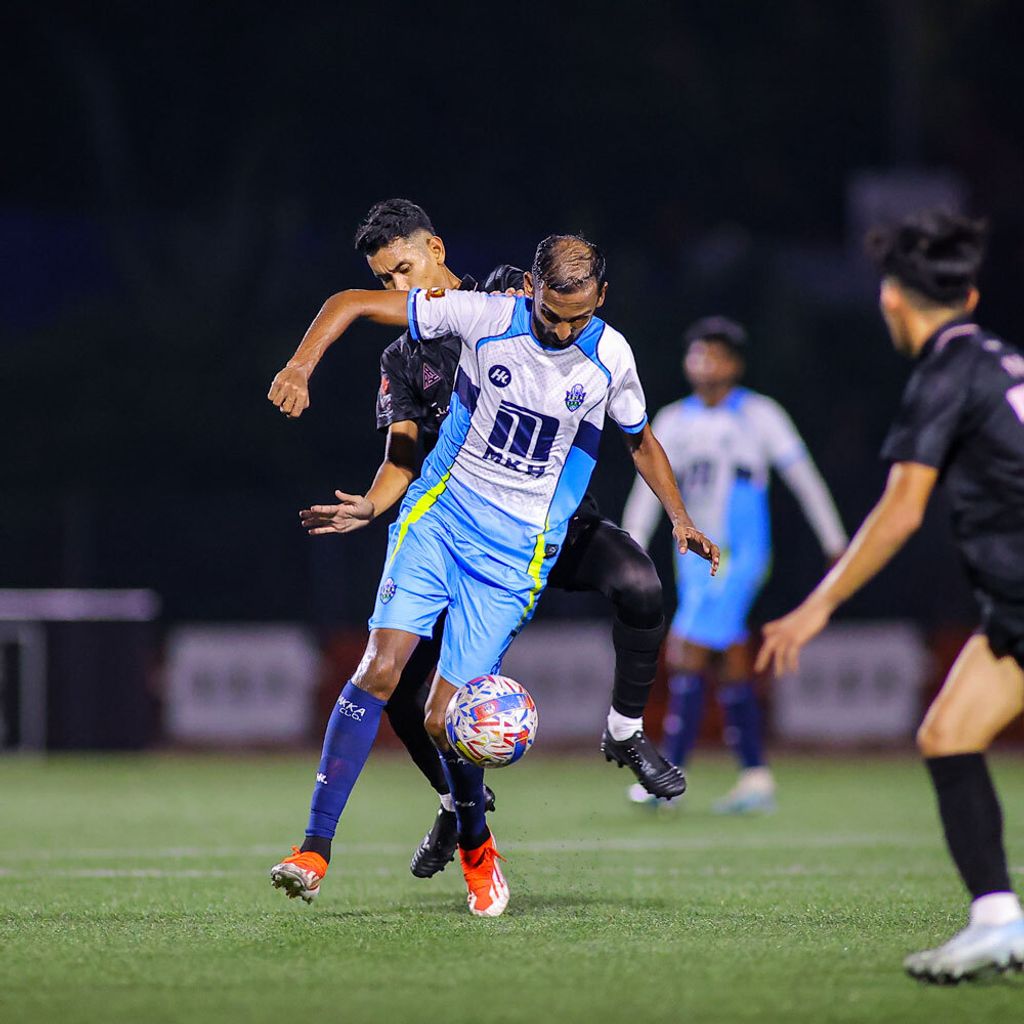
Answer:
(416, 378)
(963, 414)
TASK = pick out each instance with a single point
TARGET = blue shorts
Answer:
(712, 610)
(432, 566)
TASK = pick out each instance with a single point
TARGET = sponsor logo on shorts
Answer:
(350, 710)
(321, 779)
(387, 590)
(500, 376)
(575, 397)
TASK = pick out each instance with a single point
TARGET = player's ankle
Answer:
(621, 728)
(996, 908)
(317, 844)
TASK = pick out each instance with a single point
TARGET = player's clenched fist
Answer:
(689, 538)
(290, 391)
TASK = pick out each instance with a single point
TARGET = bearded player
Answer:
(481, 526)
(961, 423)
(403, 251)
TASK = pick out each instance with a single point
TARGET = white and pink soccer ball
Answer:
(491, 721)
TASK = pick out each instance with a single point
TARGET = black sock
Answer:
(317, 844)
(973, 821)
(406, 717)
(636, 663)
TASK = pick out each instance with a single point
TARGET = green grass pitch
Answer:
(136, 889)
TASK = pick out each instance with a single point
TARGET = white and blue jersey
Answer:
(481, 527)
(722, 456)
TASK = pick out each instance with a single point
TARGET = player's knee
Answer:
(378, 674)
(936, 738)
(433, 722)
(637, 593)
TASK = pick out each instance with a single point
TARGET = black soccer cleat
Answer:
(439, 845)
(659, 777)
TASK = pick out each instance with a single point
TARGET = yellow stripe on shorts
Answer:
(534, 572)
(424, 505)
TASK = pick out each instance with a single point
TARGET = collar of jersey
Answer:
(586, 342)
(958, 321)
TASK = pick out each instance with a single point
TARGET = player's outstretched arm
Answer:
(887, 528)
(354, 511)
(652, 464)
(290, 388)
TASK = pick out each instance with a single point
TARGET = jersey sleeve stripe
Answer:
(588, 437)
(467, 391)
(414, 326)
(634, 428)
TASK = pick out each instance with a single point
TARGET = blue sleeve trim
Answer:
(636, 427)
(414, 326)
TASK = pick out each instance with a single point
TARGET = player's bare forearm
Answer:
(653, 466)
(290, 388)
(887, 528)
(398, 470)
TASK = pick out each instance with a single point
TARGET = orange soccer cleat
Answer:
(488, 890)
(299, 875)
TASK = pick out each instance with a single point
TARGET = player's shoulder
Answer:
(489, 315)
(676, 413)
(609, 347)
(398, 354)
(755, 404)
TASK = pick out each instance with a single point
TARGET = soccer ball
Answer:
(491, 721)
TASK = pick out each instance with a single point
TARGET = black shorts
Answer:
(564, 572)
(1003, 624)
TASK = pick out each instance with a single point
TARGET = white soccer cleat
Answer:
(754, 793)
(299, 875)
(978, 949)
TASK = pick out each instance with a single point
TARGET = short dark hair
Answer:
(565, 263)
(717, 328)
(935, 253)
(387, 220)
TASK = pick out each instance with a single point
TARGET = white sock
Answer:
(758, 780)
(996, 908)
(448, 802)
(622, 727)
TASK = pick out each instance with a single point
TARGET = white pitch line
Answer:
(638, 844)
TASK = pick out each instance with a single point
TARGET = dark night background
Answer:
(181, 183)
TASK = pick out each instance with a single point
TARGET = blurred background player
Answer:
(961, 421)
(723, 440)
(403, 252)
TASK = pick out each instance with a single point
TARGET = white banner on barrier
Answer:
(568, 669)
(858, 682)
(240, 684)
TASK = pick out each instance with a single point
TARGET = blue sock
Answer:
(466, 783)
(351, 731)
(742, 723)
(682, 720)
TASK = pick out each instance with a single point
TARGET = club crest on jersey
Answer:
(500, 376)
(575, 397)
(387, 590)
(430, 377)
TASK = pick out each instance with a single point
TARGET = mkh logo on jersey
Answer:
(521, 439)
